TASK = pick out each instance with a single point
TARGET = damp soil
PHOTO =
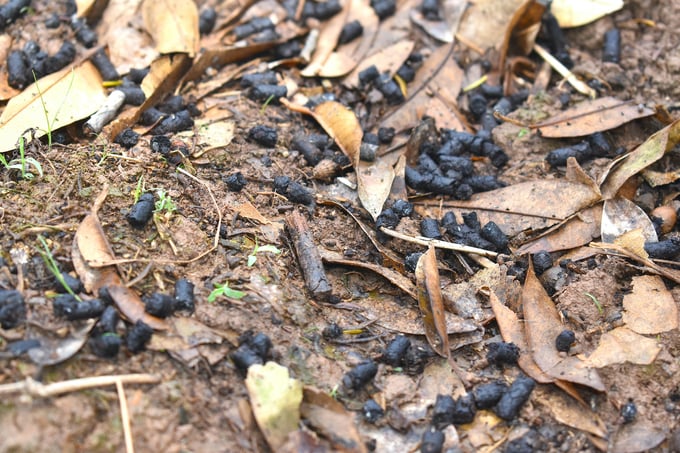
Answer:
(201, 402)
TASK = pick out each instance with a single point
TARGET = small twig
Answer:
(579, 85)
(38, 389)
(125, 417)
(439, 244)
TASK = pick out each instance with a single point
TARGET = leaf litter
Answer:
(616, 330)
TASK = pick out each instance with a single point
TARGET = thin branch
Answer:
(38, 389)
(125, 417)
(439, 244)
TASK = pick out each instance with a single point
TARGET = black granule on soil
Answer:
(487, 395)
(372, 411)
(136, 75)
(243, 357)
(103, 64)
(150, 116)
(134, 95)
(12, 308)
(176, 122)
(396, 350)
(236, 181)
(84, 34)
(281, 184)
(360, 375)
(368, 75)
(432, 441)
(18, 70)
(384, 8)
(668, 249)
(263, 135)
(464, 410)
(501, 353)
(542, 262)
(411, 261)
(142, 211)
(629, 411)
(105, 345)
(402, 208)
(564, 340)
(108, 320)
(297, 193)
(442, 413)
(127, 138)
(350, 31)
(184, 295)
(161, 144)
(611, 47)
(138, 336)
(206, 20)
(429, 228)
(67, 306)
(72, 283)
(264, 93)
(260, 343)
(386, 135)
(492, 233)
(388, 219)
(514, 398)
(332, 331)
(159, 305)
(582, 152)
(259, 78)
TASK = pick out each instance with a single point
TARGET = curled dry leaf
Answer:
(431, 303)
(55, 348)
(591, 116)
(542, 325)
(620, 215)
(650, 308)
(642, 157)
(173, 24)
(328, 38)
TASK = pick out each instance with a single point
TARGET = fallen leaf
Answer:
(650, 308)
(331, 420)
(620, 215)
(622, 345)
(443, 30)
(210, 134)
(542, 326)
(328, 38)
(248, 211)
(275, 398)
(639, 159)
(173, 24)
(590, 116)
(54, 101)
(637, 437)
(574, 13)
(431, 303)
(568, 412)
(512, 331)
(55, 348)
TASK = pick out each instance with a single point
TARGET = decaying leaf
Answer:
(574, 13)
(591, 116)
(639, 159)
(55, 101)
(328, 38)
(55, 348)
(331, 420)
(173, 24)
(567, 411)
(620, 215)
(275, 398)
(431, 303)
(542, 326)
(623, 345)
(650, 308)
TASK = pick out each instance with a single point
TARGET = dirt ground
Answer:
(201, 402)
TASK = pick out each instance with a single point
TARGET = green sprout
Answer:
(266, 103)
(265, 248)
(22, 163)
(52, 265)
(522, 132)
(334, 392)
(139, 188)
(50, 124)
(164, 202)
(597, 302)
(224, 290)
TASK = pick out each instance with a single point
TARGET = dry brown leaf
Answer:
(342, 125)
(248, 211)
(431, 303)
(542, 326)
(650, 308)
(331, 420)
(622, 345)
(591, 116)
(577, 231)
(347, 56)
(67, 96)
(639, 159)
(433, 92)
(620, 215)
(92, 244)
(443, 30)
(637, 437)
(574, 13)
(568, 412)
(328, 38)
(173, 24)
(131, 307)
(512, 331)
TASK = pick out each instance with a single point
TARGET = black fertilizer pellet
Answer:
(255, 25)
(103, 64)
(309, 151)
(372, 411)
(244, 357)
(142, 211)
(442, 413)
(105, 345)
(109, 319)
(629, 411)
(138, 336)
(487, 395)
(84, 34)
(402, 208)
(127, 138)
(464, 410)
(10, 11)
(184, 295)
(411, 261)
(429, 228)
(159, 305)
(368, 75)
(581, 152)
(70, 308)
(260, 343)
(432, 441)
(492, 233)
(384, 8)
(611, 48)
(259, 78)
(667, 249)
(350, 31)
(514, 398)
(72, 283)
(386, 135)
(18, 70)
(12, 308)
(542, 262)
(174, 123)
(396, 350)
(297, 193)
(501, 353)
(150, 116)
(263, 92)
(281, 184)
(331, 331)
(564, 340)
(206, 20)
(236, 181)
(161, 144)
(263, 135)
(387, 218)
(137, 75)
(172, 104)
(360, 375)
(134, 95)
(20, 347)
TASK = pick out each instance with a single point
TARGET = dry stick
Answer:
(308, 256)
(440, 244)
(125, 417)
(564, 72)
(38, 389)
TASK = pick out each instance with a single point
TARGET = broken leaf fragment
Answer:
(173, 24)
(275, 398)
(431, 302)
(623, 345)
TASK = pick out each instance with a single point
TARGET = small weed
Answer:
(596, 302)
(52, 265)
(50, 124)
(522, 132)
(224, 290)
(265, 248)
(139, 189)
(164, 203)
(22, 163)
(334, 392)
(266, 103)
